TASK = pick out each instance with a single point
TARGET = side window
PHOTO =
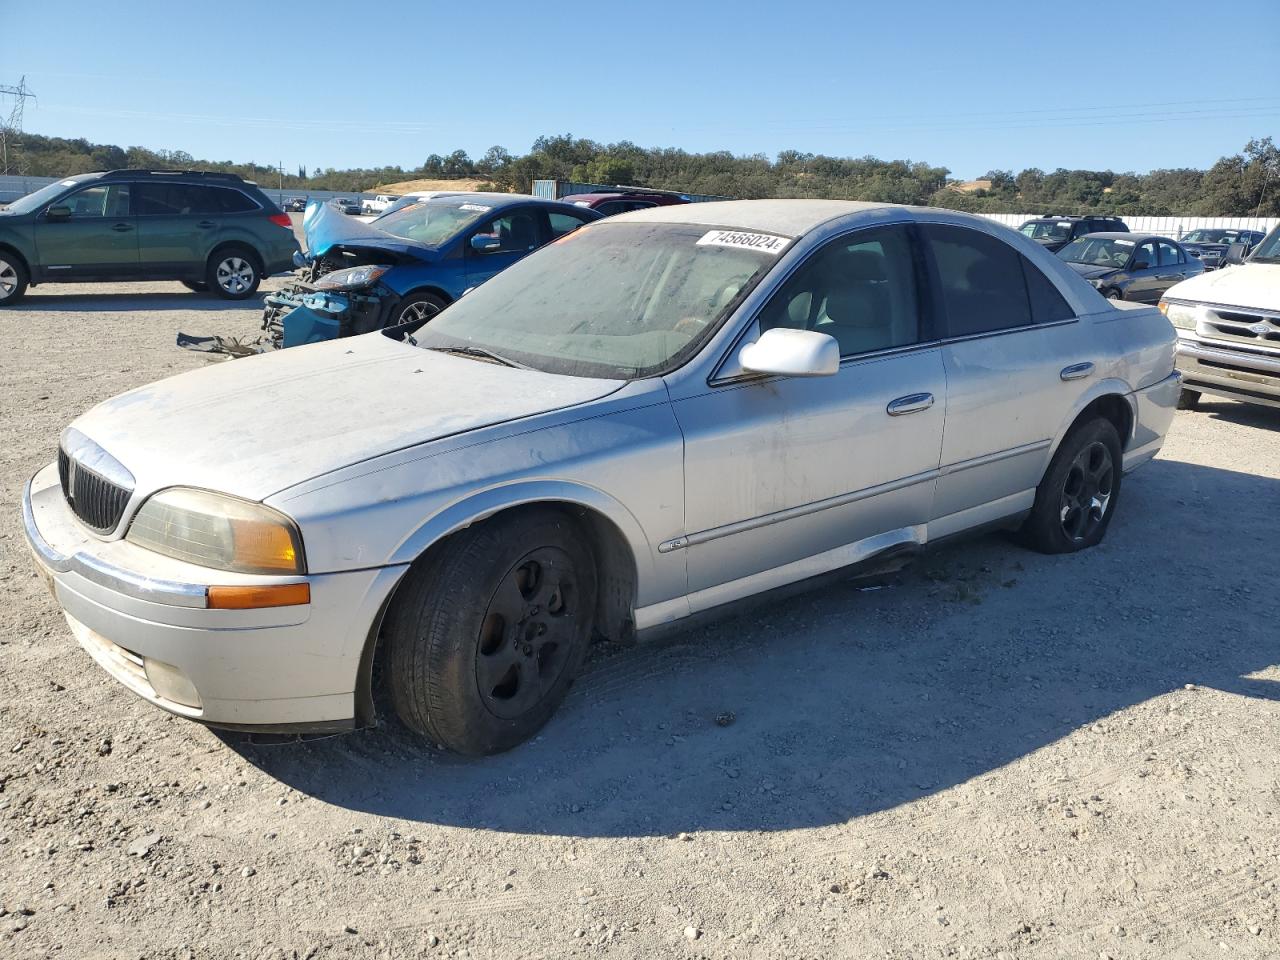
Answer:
(981, 281)
(1047, 305)
(177, 199)
(861, 290)
(232, 201)
(610, 207)
(104, 200)
(1145, 254)
(1169, 254)
(562, 223)
(517, 232)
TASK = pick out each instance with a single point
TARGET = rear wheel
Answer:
(1077, 498)
(1188, 399)
(487, 633)
(233, 273)
(13, 279)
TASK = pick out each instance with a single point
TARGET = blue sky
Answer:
(1129, 86)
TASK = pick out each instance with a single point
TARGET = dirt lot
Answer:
(994, 754)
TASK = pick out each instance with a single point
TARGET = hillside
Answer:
(416, 186)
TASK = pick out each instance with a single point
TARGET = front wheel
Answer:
(233, 273)
(487, 633)
(1077, 498)
(1114, 294)
(417, 307)
(1188, 399)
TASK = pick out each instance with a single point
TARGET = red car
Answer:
(607, 204)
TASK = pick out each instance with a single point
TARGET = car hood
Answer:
(1253, 285)
(255, 426)
(325, 226)
(1090, 271)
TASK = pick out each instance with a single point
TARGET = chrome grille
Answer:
(1243, 326)
(97, 501)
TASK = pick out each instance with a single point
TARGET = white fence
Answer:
(12, 187)
(1162, 226)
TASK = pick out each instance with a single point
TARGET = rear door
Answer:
(1010, 345)
(98, 240)
(1173, 266)
(518, 233)
(177, 223)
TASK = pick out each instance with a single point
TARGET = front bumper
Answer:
(1249, 375)
(142, 618)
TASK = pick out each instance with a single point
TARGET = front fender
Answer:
(485, 503)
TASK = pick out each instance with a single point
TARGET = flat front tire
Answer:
(1078, 496)
(488, 631)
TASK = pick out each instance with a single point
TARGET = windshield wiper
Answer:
(480, 353)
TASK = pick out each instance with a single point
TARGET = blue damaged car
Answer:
(408, 264)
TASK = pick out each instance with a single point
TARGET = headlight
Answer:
(215, 530)
(1095, 283)
(350, 278)
(1181, 315)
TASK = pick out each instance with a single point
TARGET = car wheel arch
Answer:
(1109, 398)
(612, 546)
(223, 245)
(12, 251)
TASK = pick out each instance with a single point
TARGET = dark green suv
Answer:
(212, 231)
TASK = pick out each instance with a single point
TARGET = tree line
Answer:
(1243, 184)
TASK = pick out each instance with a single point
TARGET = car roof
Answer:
(786, 217)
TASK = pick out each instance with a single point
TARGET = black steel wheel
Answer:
(488, 630)
(1077, 497)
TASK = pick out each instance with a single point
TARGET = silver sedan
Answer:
(657, 415)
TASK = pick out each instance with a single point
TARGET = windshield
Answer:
(34, 201)
(1098, 251)
(1047, 229)
(1211, 236)
(613, 300)
(432, 222)
(1268, 251)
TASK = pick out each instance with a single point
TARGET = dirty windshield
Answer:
(432, 222)
(617, 300)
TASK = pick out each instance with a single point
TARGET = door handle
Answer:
(206, 224)
(911, 403)
(1077, 371)
(122, 227)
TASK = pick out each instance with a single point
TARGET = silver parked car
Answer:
(656, 415)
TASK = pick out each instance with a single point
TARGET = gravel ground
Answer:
(992, 754)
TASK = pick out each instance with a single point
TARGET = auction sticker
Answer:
(474, 207)
(764, 242)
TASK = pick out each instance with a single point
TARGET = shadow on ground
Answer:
(49, 300)
(849, 701)
(1244, 414)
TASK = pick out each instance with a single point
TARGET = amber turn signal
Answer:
(255, 597)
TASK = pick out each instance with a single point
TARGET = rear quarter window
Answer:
(981, 281)
(1047, 304)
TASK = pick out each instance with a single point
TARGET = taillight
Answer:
(281, 220)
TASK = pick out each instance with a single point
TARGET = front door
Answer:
(511, 237)
(787, 478)
(98, 240)
(1145, 285)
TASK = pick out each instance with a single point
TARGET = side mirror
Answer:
(1141, 265)
(485, 243)
(1235, 253)
(784, 352)
(60, 212)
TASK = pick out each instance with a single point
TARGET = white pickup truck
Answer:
(378, 204)
(1228, 324)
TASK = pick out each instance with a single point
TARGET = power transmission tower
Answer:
(11, 129)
